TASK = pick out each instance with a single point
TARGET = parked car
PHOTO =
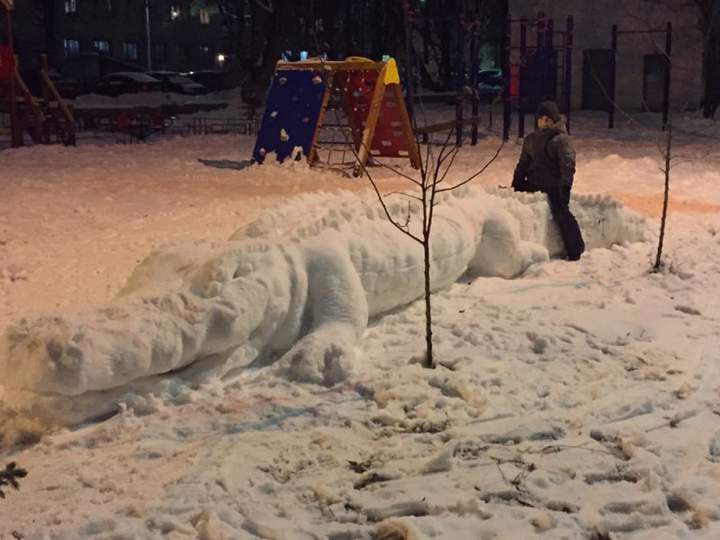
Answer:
(67, 87)
(115, 84)
(174, 82)
(211, 79)
(490, 83)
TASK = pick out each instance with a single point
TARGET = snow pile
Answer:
(295, 288)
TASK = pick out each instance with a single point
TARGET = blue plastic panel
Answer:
(291, 113)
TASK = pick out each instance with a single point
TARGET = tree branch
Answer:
(402, 194)
(482, 170)
(267, 7)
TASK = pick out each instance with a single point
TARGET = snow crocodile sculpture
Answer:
(294, 290)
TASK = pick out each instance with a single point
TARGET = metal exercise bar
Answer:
(612, 83)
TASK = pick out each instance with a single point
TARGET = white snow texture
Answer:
(294, 289)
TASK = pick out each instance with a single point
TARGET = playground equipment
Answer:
(8, 70)
(667, 65)
(46, 118)
(534, 73)
(332, 109)
(43, 118)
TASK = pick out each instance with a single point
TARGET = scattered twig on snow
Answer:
(553, 448)
(360, 466)
(10, 477)
(373, 478)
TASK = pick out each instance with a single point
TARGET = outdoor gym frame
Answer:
(613, 69)
(515, 90)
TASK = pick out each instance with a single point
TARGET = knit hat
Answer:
(550, 109)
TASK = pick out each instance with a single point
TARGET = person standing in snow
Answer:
(547, 164)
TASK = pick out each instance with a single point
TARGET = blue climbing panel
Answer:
(291, 113)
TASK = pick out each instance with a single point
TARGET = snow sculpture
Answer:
(293, 290)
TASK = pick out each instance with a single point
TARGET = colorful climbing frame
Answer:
(366, 92)
(291, 113)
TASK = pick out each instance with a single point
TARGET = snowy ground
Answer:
(577, 400)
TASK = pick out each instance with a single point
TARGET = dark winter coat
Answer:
(547, 160)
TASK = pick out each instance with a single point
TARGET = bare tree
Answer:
(433, 174)
(667, 155)
(665, 150)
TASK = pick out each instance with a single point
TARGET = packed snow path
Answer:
(299, 284)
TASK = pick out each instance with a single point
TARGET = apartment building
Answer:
(187, 35)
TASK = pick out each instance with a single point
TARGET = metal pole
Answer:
(15, 132)
(540, 29)
(523, 59)
(613, 75)
(568, 68)
(537, 83)
(668, 74)
(507, 111)
(147, 30)
(460, 103)
(409, 94)
(550, 62)
(474, 61)
(550, 33)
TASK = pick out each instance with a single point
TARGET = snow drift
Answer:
(294, 290)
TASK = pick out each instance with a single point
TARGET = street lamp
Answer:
(147, 31)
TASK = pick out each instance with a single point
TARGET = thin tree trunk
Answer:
(429, 358)
(666, 196)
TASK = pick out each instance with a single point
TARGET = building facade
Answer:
(640, 60)
(184, 35)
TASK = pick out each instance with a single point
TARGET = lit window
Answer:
(70, 6)
(130, 50)
(102, 46)
(174, 13)
(204, 16)
(71, 47)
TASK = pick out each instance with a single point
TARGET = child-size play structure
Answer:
(45, 118)
(338, 114)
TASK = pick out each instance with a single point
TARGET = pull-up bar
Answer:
(613, 69)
